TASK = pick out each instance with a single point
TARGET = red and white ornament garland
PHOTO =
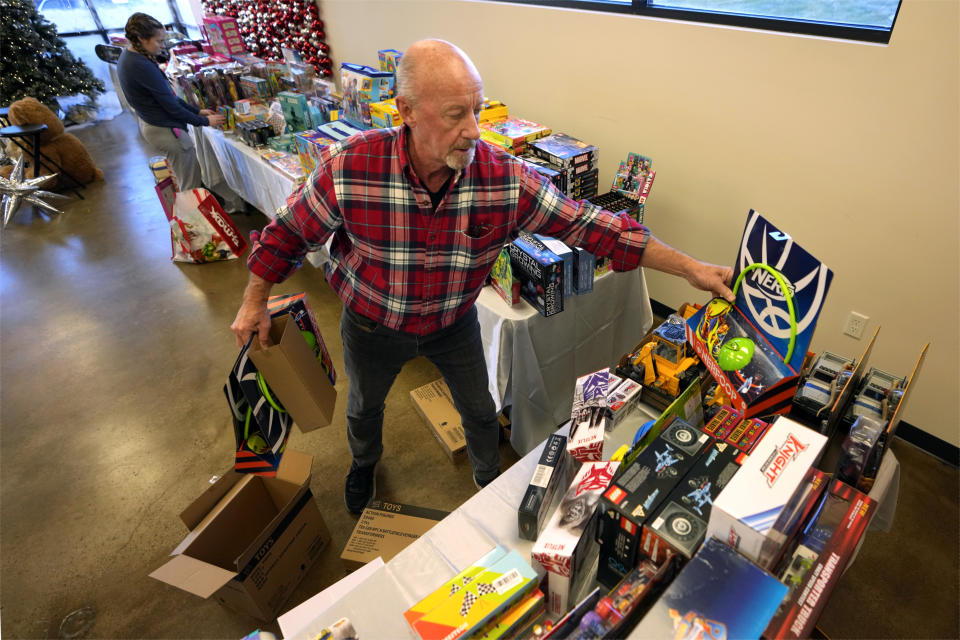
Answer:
(266, 26)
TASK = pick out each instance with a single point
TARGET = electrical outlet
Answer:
(856, 323)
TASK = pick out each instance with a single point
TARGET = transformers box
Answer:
(824, 548)
(562, 547)
(565, 151)
(680, 523)
(540, 274)
(637, 492)
(550, 476)
(588, 416)
(754, 512)
(719, 594)
(471, 599)
(755, 348)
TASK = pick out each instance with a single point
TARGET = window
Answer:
(865, 20)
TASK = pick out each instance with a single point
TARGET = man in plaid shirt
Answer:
(418, 216)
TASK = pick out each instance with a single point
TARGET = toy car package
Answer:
(754, 513)
(550, 476)
(540, 274)
(637, 492)
(562, 547)
(829, 540)
(755, 348)
(719, 594)
(622, 400)
(679, 524)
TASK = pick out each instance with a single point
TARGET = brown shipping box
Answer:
(434, 403)
(295, 375)
(252, 539)
(385, 529)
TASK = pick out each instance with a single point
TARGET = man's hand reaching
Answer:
(713, 278)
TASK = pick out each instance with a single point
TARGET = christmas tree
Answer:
(35, 59)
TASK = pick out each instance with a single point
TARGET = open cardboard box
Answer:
(251, 540)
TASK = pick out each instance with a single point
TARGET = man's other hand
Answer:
(252, 317)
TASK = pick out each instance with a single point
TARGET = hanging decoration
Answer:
(16, 190)
(267, 26)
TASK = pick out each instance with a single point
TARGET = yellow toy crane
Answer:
(665, 363)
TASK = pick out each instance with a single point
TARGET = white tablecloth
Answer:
(533, 361)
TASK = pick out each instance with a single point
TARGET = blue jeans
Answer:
(373, 356)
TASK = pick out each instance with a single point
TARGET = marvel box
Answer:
(565, 151)
(718, 594)
(816, 564)
(550, 476)
(680, 523)
(562, 546)
(638, 490)
(540, 274)
(750, 512)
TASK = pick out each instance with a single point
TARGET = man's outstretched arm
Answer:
(709, 277)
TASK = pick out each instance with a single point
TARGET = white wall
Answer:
(851, 148)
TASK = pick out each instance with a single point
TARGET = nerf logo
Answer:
(765, 281)
(782, 456)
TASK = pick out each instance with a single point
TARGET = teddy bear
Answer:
(64, 149)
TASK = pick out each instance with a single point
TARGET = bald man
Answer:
(418, 216)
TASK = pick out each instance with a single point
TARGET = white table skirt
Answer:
(533, 362)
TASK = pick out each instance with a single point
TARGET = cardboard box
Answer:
(719, 594)
(815, 566)
(562, 547)
(637, 492)
(680, 523)
(251, 540)
(749, 512)
(435, 405)
(549, 478)
(384, 530)
(294, 374)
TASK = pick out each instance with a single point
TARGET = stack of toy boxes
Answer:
(562, 547)
(551, 172)
(254, 88)
(296, 110)
(576, 159)
(254, 133)
(384, 114)
(309, 143)
(389, 59)
(757, 512)
(512, 134)
(320, 108)
(224, 35)
(540, 274)
(646, 479)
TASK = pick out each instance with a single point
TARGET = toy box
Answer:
(254, 88)
(747, 434)
(518, 621)
(638, 490)
(562, 251)
(718, 594)
(389, 59)
(541, 276)
(435, 405)
(565, 151)
(588, 416)
(680, 523)
(502, 279)
(296, 305)
(752, 513)
(755, 348)
(362, 85)
(635, 177)
(723, 422)
(493, 110)
(553, 173)
(550, 476)
(584, 264)
(384, 529)
(224, 35)
(512, 133)
(461, 607)
(384, 114)
(823, 551)
(616, 202)
(308, 145)
(562, 546)
(622, 400)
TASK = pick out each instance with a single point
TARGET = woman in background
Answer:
(163, 117)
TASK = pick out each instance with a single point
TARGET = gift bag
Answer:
(361, 86)
(261, 425)
(200, 230)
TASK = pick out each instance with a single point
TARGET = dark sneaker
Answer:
(480, 484)
(360, 487)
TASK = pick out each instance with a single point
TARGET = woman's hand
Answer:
(214, 119)
(207, 112)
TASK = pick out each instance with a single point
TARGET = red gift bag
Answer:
(200, 230)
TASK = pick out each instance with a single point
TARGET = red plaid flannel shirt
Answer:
(400, 263)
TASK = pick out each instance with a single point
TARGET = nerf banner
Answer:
(755, 348)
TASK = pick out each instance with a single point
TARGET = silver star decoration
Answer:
(16, 190)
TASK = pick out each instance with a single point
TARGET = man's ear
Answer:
(406, 111)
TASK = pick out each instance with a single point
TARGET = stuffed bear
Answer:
(62, 148)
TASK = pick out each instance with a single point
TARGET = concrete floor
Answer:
(113, 420)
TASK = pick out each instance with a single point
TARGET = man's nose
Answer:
(472, 131)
